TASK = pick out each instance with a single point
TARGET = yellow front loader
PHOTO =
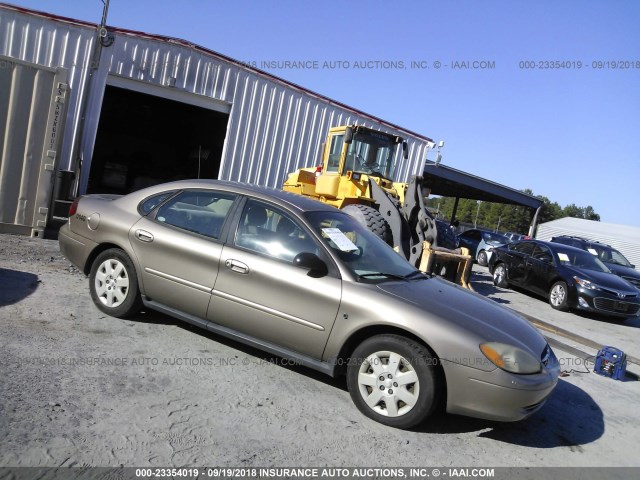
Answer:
(356, 175)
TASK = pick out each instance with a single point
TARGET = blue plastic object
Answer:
(611, 362)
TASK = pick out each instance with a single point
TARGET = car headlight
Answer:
(586, 283)
(510, 358)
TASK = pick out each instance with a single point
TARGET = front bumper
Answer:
(597, 302)
(498, 395)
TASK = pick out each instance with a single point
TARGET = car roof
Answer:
(552, 245)
(588, 241)
(288, 199)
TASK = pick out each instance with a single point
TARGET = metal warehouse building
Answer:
(86, 109)
(624, 238)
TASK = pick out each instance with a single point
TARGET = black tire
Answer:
(113, 284)
(482, 258)
(370, 218)
(417, 367)
(500, 278)
(559, 296)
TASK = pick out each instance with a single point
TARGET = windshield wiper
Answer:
(415, 274)
(409, 276)
(381, 274)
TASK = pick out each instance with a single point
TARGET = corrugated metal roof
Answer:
(625, 238)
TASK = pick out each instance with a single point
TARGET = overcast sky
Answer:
(531, 94)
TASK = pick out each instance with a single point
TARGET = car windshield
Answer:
(364, 253)
(494, 238)
(371, 153)
(580, 259)
(609, 255)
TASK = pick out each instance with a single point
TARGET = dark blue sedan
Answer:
(569, 277)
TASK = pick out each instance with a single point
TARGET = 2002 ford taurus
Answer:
(307, 282)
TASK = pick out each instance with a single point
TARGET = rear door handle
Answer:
(144, 236)
(236, 266)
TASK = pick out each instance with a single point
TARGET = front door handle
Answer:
(144, 236)
(236, 266)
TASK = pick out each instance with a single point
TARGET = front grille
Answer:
(615, 306)
(633, 281)
(619, 294)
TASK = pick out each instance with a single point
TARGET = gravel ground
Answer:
(78, 388)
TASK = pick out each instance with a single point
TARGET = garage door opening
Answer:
(144, 140)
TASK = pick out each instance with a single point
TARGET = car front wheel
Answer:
(393, 380)
(114, 285)
(559, 296)
(482, 258)
(500, 276)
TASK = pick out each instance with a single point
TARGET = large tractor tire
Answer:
(370, 218)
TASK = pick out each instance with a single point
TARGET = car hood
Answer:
(607, 280)
(494, 243)
(622, 270)
(489, 321)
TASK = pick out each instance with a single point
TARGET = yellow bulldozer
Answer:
(356, 175)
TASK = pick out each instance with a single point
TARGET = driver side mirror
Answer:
(316, 266)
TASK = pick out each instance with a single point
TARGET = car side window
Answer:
(150, 203)
(543, 254)
(526, 248)
(202, 212)
(268, 230)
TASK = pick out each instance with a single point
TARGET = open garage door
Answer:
(144, 139)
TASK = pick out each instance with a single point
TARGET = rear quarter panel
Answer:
(105, 221)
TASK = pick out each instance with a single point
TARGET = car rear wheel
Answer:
(559, 296)
(393, 380)
(482, 258)
(114, 285)
(500, 276)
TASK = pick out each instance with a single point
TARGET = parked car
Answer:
(612, 258)
(305, 281)
(569, 277)
(481, 243)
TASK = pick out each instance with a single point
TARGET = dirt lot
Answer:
(80, 388)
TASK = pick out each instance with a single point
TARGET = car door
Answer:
(518, 256)
(540, 269)
(261, 293)
(470, 239)
(179, 250)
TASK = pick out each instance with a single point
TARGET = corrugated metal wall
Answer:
(624, 238)
(274, 127)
